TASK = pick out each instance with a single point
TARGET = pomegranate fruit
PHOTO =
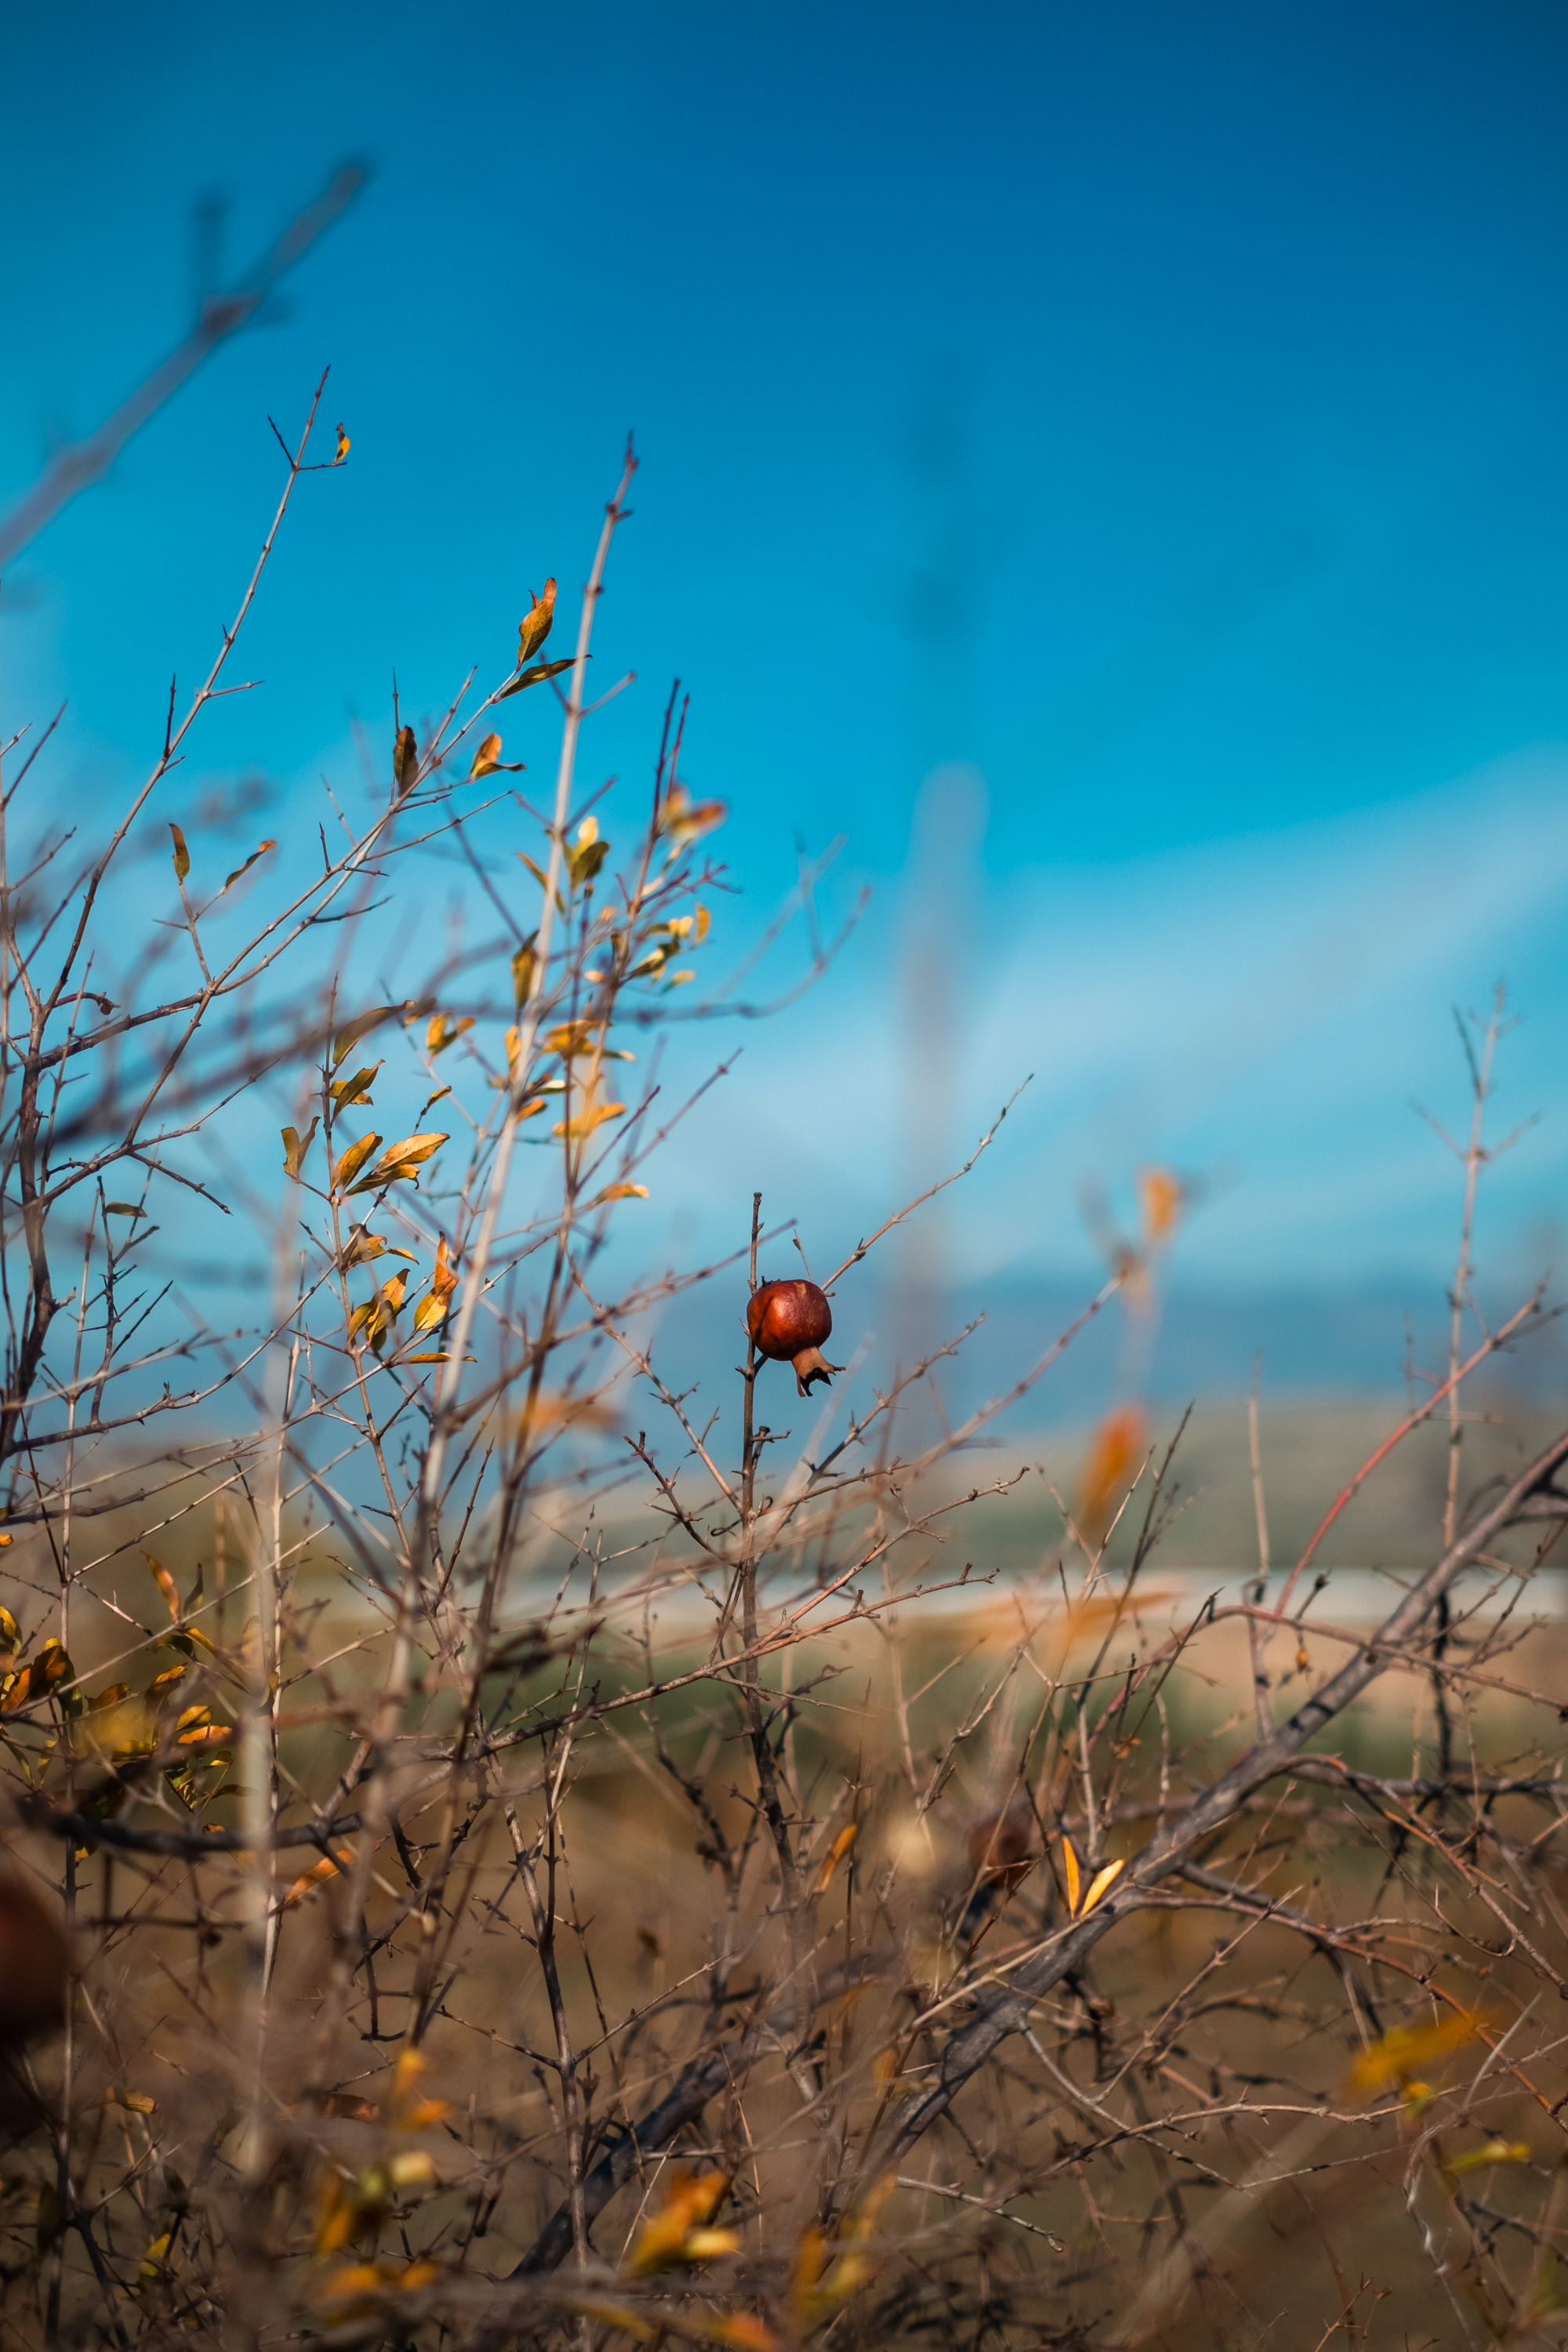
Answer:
(789, 1321)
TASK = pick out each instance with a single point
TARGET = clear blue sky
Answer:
(1160, 408)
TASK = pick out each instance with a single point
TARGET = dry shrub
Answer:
(504, 1852)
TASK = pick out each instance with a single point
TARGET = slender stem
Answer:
(1257, 1638)
(1475, 1154)
(1480, 1088)
(479, 1259)
(63, 2148)
(749, 1377)
(756, 1713)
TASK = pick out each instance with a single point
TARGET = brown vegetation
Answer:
(505, 1852)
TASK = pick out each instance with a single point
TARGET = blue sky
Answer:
(1160, 409)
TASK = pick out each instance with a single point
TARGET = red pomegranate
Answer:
(791, 1319)
(1002, 1847)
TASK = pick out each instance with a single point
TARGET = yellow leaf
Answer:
(5, 1541)
(522, 973)
(351, 1032)
(365, 1246)
(353, 2279)
(1162, 1199)
(1407, 2050)
(165, 1584)
(1107, 1469)
(154, 2263)
(295, 1147)
(137, 2101)
(205, 1735)
(433, 1309)
(571, 1039)
(353, 1159)
(1073, 1875)
(347, 1091)
(577, 1041)
(344, 445)
(182, 854)
(404, 759)
(442, 1032)
(443, 1275)
(51, 1667)
(618, 1192)
(707, 2245)
(393, 1291)
(1100, 1885)
(398, 1161)
(536, 625)
(686, 820)
(585, 1121)
(249, 862)
(809, 2255)
(408, 2067)
(329, 1866)
(852, 2270)
(413, 2169)
(487, 759)
(10, 1639)
(835, 1856)
(1496, 2151)
(743, 2329)
(704, 925)
(690, 2202)
(424, 2113)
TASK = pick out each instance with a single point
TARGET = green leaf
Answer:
(584, 862)
(543, 878)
